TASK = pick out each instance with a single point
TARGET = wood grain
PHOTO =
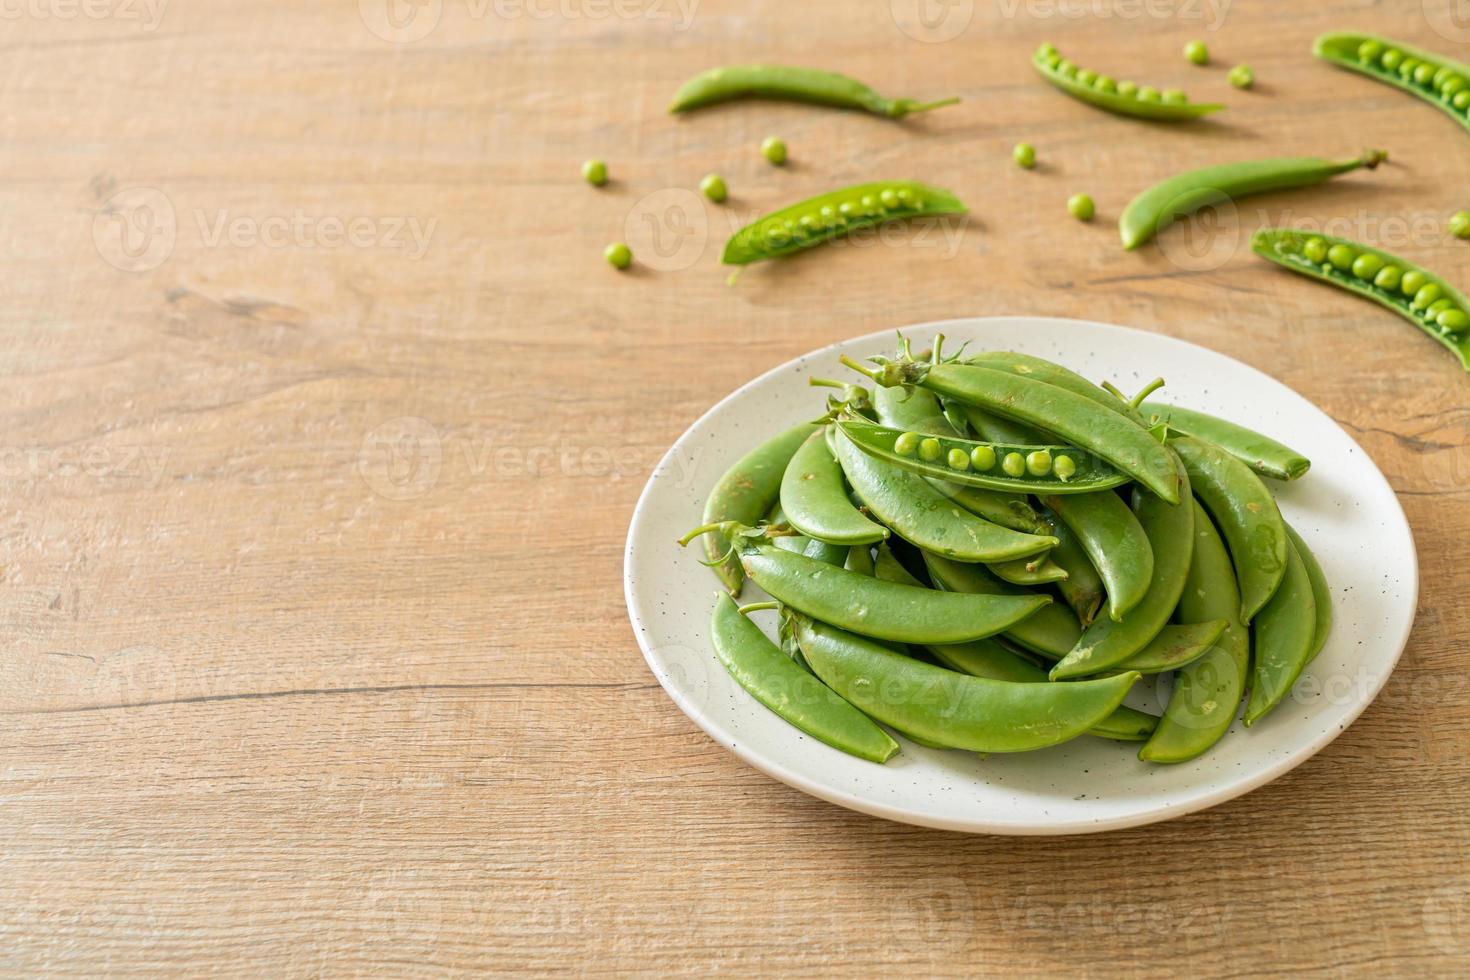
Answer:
(317, 659)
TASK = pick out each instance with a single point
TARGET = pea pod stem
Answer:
(814, 86)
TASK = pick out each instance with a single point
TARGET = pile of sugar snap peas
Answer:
(987, 552)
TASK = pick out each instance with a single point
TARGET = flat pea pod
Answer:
(1083, 588)
(834, 214)
(1346, 50)
(1012, 510)
(1261, 453)
(987, 465)
(745, 493)
(1029, 571)
(954, 709)
(814, 86)
(814, 498)
(1106, 644)
(1247, 516)
(921, 514)
(1114, 542)
(1183, 194)
(1284, 633)
(1449, 327)
(1321, 592)
(776, 681)
(863, 604)
(997, 428)
(1051, 631)
(1134, 103)
(1176, 646)
(1040, 369)
(1115, 438)
(1207, 692)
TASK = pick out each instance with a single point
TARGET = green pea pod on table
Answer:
(777, 682)
(1442, 82)
(1414, 293)
(787, 83)
(814, 498)
(746, 492)
(1124, 98)
(949, 708)
(1115, 543)
(818, 219)
(1261, 453)
(1183, 194)
(1284, 633)
(1321, 592)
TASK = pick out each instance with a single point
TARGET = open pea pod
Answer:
(1124, 98)
(1442, 82)
(993, 466)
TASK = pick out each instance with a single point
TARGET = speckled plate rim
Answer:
(1207, 796)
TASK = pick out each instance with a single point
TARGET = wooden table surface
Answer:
(324, 420)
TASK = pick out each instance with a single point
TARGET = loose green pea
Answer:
(1366, 266)
(1024, 154)
(774, 150)
(1369, 51)
(713, 187)
(889, 199)
(1460, 224)
(1423, 74)
(1086, 76)
(1461, 99)
(618, 255)
(1148, 93)
(930, 449)
(1127, 89)
(983, 457)
(1412, 282)
(1014, 464)
(1081, 207)
(1175, 96)
(1196, 53)
(1341, 257)
(1065, 468)
(958, 459)
(1105, 83)
(1427, 294)
(594, 172)
(1038, 463)
(906, 444)
(1389, 277)
(1315, 249)
(1391, 58)
(1241, 76)
(1453, 320)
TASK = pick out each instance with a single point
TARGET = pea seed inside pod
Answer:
(1315, 249)
(1175, 96)
(1366, 266)
(1038, 463)
(1341, 257)
(1148, 93)
(1127, 88)
(906, 444)
(958, 459)
(1369, 51)
(1391, 58)
(1453, 320)
(1412, 282)
(1086, 76)
(1065, 468)
(1423, 74)
(889, 199)
(1433, 310)
(1105, 84)
(1427, 294)
(1461, 99)
(982, 457)
(1389, 277)
(1014, 465)
(930, 449)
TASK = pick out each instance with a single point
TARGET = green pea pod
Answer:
(1383, 278)
(814, 498)
(1321, 592)
(1364, 53)
(888, 568)
(1115, 543)
(1135, 103)
(1040, 570)
(859, 559)
(834, 214)
(908, 504)
(824, 552)
(992, 466)
(1083, 588)
(773, 679)
(1207, 692)
(1261, 453)
(1284, 633)
(1040, 369)
(1247, 515)
(954, 709)
(1051, 631)
(1183, 194)
(1176, 646)
(1012, 510)
(746, 492)
(1106, 644)
(791, 84)
(911, 409)
(995, 428)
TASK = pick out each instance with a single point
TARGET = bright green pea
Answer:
(1453, 320)
(1065, 468)
(958, 459)
(845, 209)
(1086, 76)
(869, 203)
(983, 457)
(1412, 282)
(1427, 294)
(1046, 50)
(1081, 207)
(618, 255)
(1052, 60)
(1423, 74)
(1038, 463)
(1407, 66)
(1341, 256)
(1452, 86)
(1241, 76)
(594, 172)
(906, 197)
(1196, 53)
(774, 150)
(1315, 249)
(1175, 96)
(1024, 154)
(1148, 93)
(1389, 277)
(1066, 68)
(1014, 465)
(889, 198)
(1440, 77)
(1434, 309)
(1127, 89)
(906, 444)
(1369, 51)
(930, 449)
(1461, 99)
(1460, 224)
(1366, 266)
(713, 187)
(1391, 58)
(1105, 83)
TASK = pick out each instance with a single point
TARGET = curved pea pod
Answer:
(1284, 633)
(1040, 369)
(1450, 327)
(1040, 570)
(954, 709)
(1106, 644)
(1248, 517)
(1348, 50)
(777, 682)
(788, 83)
(1051, 631)
(1114, 542)
(1123, 105)
(1082, 589)
(814, 498)
(834, 214)
(1012, 510)
(1176, 646)
(1183, 194)
(991, 466)
(1261, 453)
(859, 559)
(911, 409)
(887, 567)
(1207, 692)
(745, 493)
(995, 428)
(1321, 593)
(908, 504)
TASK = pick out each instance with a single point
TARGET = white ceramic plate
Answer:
(1344, 508)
